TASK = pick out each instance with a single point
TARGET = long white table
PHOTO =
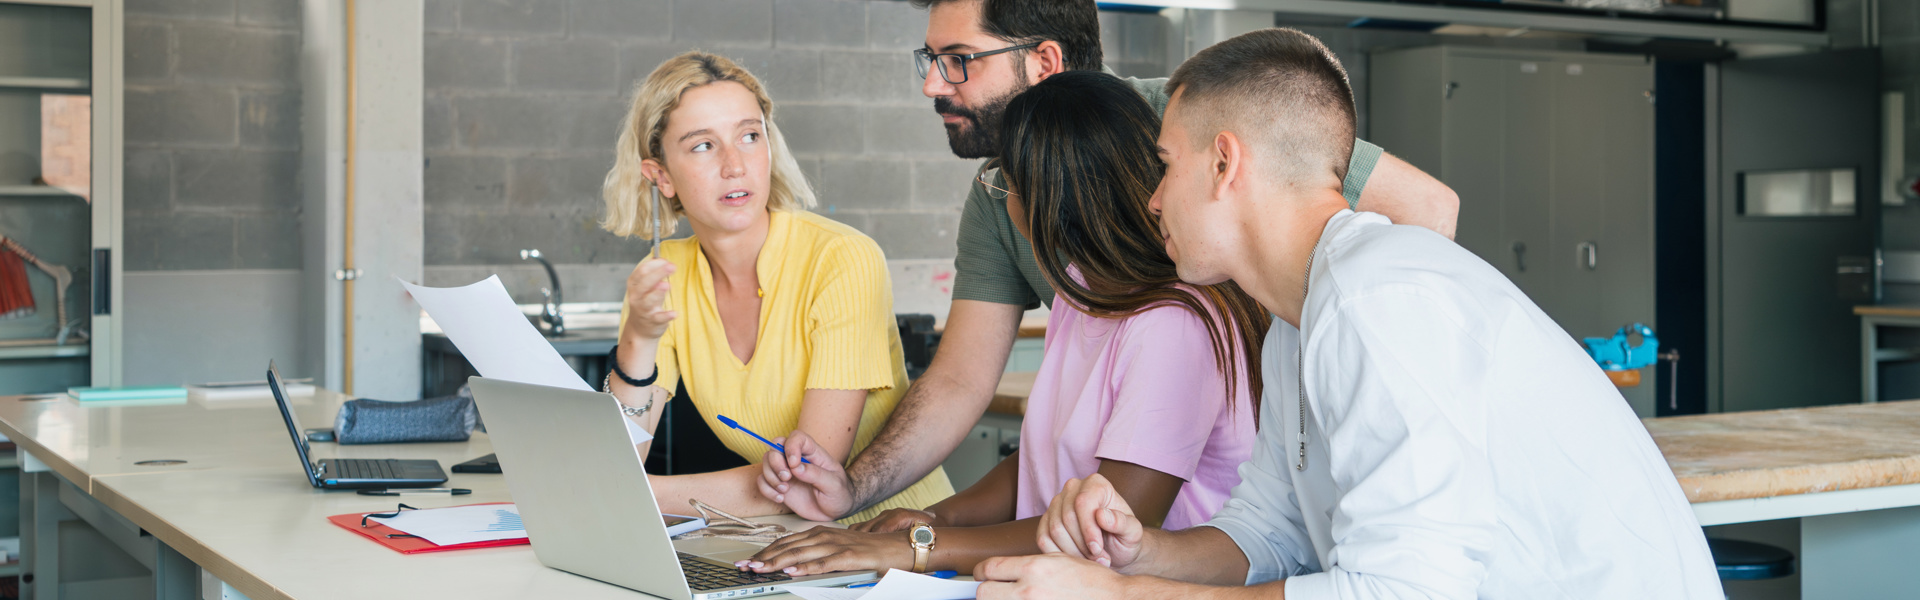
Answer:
(85, 442)
(1850, 474)
(239, 512)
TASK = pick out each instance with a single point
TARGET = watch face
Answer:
(923, 535)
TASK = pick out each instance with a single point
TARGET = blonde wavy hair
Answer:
(628, 192)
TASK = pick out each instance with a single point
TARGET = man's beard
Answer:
(980, 137)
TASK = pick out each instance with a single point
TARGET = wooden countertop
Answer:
(1731, 456)
(1761, 454)
(1887, 310)
(1031, 326)
(1011, 397)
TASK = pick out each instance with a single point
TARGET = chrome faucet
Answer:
(550, 308)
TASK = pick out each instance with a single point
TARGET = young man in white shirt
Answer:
(1431, 434)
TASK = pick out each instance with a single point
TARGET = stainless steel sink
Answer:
(587, 333)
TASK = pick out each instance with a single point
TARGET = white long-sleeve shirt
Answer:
(1459, 444)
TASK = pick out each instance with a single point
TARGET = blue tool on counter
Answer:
(1614, 354)
(778, 448)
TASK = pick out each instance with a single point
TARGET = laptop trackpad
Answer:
(724, 550)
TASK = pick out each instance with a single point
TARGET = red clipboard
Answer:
(411, 545)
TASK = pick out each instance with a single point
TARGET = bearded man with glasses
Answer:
(978, 55)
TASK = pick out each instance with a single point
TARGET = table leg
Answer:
(58, 516)
(40, 516)
(1869, 554)
(175, 577)
(217, 589)
(1869, 367)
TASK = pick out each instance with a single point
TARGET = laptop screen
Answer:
(293, 426)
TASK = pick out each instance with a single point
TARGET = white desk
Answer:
(264, 532)
(1872, 318)
(85, 442)
(1849, 473)
(241, 510)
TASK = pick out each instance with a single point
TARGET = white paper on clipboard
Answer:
(497, 338)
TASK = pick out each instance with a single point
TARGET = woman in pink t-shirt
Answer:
(1145, 380)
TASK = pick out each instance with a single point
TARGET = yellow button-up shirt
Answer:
(826, 322)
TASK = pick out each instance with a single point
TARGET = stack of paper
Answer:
(149, 392)
(152, 395)
(245, 391)
(498, 340)
(460, 524)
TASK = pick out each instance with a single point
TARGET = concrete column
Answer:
(387, 220)
(386, 187)
(323, 133)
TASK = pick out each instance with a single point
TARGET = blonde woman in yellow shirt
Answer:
(771, 315)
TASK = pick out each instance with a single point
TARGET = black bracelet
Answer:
(613, 357)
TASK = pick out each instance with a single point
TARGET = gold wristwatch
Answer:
(921, 536)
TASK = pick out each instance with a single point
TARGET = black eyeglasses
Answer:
(385, 515)
(955, 63)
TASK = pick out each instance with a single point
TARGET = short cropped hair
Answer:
(627, 191)
(1283, 92)
(1074, 24)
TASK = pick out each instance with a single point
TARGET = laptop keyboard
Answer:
(704, 575)
(363, 468)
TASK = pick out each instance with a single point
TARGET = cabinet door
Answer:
(1473, 156)
(1602, 196)
(1784, 324)
(1496, 159)
(44, 190)
(1603, 203)
(1526, 218)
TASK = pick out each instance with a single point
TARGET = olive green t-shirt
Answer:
(995, 263)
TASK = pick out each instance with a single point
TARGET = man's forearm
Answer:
(941, 408)
(1202, 555)
(1410, 196)
(919, 435)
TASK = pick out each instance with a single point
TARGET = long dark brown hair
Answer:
(1078, 149)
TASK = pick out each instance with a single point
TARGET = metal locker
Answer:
(1551, 154)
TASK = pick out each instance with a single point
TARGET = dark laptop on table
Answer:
(349, 473)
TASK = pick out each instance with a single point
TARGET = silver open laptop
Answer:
(584, 497)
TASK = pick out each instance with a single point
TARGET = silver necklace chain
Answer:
(1300, 354)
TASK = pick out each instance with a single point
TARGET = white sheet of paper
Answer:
(826, 593)
(460, 524)
(897, 585)
(497, 338)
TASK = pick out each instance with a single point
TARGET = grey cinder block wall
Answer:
(212, 190)
(524, 99)
(212, 135)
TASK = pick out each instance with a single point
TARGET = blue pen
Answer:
(782, 449)
(939, 574)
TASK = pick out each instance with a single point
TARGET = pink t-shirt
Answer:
(1143, 390)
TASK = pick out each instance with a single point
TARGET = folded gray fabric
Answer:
(445, 419)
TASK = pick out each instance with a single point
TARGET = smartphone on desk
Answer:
(484, 464)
